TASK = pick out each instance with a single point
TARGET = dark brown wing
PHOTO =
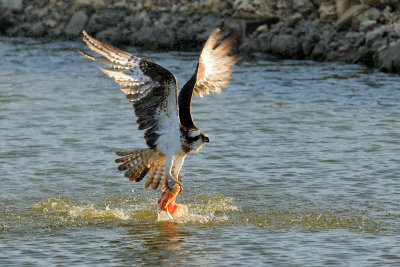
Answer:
(213, 72)
(151, 88)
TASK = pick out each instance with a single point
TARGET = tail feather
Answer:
(151, 177)
(154, 176)
(157, 178)
(125, 153)
(138, 163)
(142, 175)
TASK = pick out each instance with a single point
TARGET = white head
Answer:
(196, 139)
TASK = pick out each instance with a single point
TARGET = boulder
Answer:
(155, 37)
(5, 21)
(389, 60)
(76, 24)
(286, 46)
(382, 3)
(307, 44)
(304, 7)
(379, 44)
(38, 29)
(319, 51)
(372, 36)
(364, 55)
(341, 7)
(333, 56)
(327, 11)
(13, 5)
(367, 25)
(370, 13)
(106, 18)
(82, 4)
(345, 20)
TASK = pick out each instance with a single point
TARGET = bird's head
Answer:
(196, 139)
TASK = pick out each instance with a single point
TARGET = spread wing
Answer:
(213, 72)
(151, 88)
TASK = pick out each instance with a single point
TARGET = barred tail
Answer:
(138, 163)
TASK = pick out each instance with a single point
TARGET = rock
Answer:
(252, 9)
(364, 55)
(76, 24)
(319, 51)
(307, 44)
(379, 44)
(369, 14)
(367, 25)
(217, 6)
(5, 21)
(327, 11)
(345, 20)
(285, 46)
(106, 18)
(156, 37)
(353, 35)
(298, 4)
(13, 5)
(332, 56)
(249, 45)
(304, 7)
(382, 3)
(294, 19)
(396, 28)
(81, 4)
(58, 30)
(114, 36)
(389, 59)
(262, 28)
(261, 43)
(38, 29)
(371, 36)
(165, 19)
(341, 7)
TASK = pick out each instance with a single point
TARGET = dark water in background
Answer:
(303, 166)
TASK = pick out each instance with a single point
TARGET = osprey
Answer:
(170, 131)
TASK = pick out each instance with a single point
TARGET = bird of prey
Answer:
(170, 132)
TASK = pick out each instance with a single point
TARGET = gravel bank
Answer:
(365, 32)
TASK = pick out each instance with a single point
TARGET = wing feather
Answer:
(215, 64)
(151, 88)
(213, 72)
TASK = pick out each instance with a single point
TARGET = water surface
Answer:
(302, 167)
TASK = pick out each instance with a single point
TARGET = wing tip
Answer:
(86, 54)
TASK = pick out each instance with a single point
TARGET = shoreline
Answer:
(363, 32)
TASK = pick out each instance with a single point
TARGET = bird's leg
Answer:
(176, 166)
(171, 180)
(168, 167)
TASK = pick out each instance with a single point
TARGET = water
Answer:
(302, 167)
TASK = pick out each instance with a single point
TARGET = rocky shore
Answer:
(356, 31)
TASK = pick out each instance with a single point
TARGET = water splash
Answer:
(206, 210)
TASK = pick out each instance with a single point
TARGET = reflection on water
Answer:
(303, 166)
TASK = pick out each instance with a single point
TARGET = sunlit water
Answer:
(302, 167)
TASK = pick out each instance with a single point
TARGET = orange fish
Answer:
(167, 199)
(167, 202)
